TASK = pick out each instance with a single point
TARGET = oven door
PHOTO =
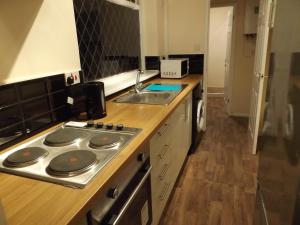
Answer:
(133, 206)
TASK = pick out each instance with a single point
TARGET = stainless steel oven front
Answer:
(127, 197)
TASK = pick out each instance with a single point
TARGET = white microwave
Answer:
(174, 68)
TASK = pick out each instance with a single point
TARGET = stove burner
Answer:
(72, 163)
(25, 157)
(64, 137)
(105, 140)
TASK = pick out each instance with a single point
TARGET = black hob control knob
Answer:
(120, 127)
(142, 157)
(109, 126)
(90, 123)
(113, 193)
(99, 125)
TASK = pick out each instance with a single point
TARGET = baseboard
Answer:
(237, 114)
(215, 92)
(215, 89)
(215, 95)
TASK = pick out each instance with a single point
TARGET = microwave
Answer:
(174, 68)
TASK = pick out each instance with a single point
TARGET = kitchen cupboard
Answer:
(168, 149)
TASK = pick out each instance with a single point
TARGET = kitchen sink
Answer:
(149, 97)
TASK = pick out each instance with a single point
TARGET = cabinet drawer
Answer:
(162, 175)
(161, 137)
(159, 155)
(162, 197)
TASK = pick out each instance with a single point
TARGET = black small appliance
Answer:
(95, 100)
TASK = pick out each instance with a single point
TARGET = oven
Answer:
(127, 198)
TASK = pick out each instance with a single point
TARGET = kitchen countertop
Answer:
(32, 202)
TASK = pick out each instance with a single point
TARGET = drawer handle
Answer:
(164, 172)
(164, 152)
(163, 195)
(163, 130)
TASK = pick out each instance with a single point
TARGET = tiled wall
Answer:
(196, 62)
(152, 62)
(108, 36)
(28, 107)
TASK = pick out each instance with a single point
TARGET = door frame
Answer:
(228, 61)
(205, 68)
(233, 44)
(261, 76)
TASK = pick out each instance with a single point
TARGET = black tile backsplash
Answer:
(37, 123)
(29, 106)
(8, 95)
(10, 115)
(108, 37)
(295, 64)
(196, 62)
(56, 83)
(32, 89)
(36, 107)
(152, 62)
(59, 99)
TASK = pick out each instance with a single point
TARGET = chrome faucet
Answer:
(138, 85)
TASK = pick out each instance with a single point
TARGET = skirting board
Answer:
(215, 95)
(215, 92)
(237, 114)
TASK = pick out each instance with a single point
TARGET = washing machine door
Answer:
(200, 119)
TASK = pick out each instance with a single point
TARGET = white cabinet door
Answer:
(168, 150)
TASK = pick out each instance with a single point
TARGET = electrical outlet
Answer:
(72, 78)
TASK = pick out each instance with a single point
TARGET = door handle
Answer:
(259, 75)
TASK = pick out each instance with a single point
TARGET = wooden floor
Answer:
(218, 183)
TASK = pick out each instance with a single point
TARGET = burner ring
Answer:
(72, 163)
(106, 141)
(25, 157)
(64, 137)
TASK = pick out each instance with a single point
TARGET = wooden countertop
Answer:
(32, 202)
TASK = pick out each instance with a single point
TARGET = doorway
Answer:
(219, 63)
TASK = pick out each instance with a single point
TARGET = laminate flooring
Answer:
(218, 183)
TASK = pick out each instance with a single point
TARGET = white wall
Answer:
(218, 32)
(153, 29)
(38, 38)
(174, 26)
(186, 22)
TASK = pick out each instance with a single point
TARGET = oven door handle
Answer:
(116, 218)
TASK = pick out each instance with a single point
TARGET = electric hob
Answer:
(71, 155)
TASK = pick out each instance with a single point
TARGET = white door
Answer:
(219, 47)
(227, 60)
(259, 77)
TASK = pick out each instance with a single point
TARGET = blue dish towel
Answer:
(164, 87)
